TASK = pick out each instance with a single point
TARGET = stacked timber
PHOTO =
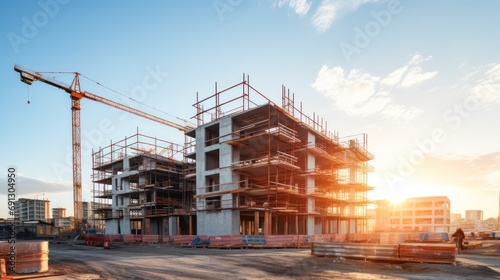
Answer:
(405, 252)
(355, 250)
(433, 253)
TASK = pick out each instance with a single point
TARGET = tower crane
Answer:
(76, 94)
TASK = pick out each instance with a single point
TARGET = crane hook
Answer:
(28, 91)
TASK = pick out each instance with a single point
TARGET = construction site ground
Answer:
(160, 261)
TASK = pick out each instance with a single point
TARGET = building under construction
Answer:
(140, 188)
(251, 167)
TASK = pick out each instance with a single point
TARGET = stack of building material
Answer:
(30, 256)
(434, 237)
(254, 240)
(495, 234)
(281, 241)
(132, 238)
(391, 238)
(151, 239)
(338, 238)
(182, 240)
(410, 237)
(319, 238)
(226, 241)
(303, 241)
(357, 251)
(363, 238)
(114, 237)
(406, 252)
(432, 253)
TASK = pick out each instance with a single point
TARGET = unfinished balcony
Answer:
(281, 159)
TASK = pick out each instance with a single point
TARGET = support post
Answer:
(256, 222)
(190, 225)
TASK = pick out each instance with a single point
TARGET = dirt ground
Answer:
(158, 261)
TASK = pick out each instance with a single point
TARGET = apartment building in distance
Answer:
(32, 210)
(419, 214)
(474, 215)
(267, 169)
(473, 222)
(57, 214)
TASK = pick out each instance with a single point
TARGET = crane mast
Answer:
(75, 93)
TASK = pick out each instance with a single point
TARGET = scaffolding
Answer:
(140, 179)
(292, 173)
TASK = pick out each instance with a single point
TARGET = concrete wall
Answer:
(217, 222)
(224, 222)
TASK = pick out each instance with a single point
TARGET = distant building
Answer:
(421, 214)
(57, 214)
(67, 222)
(87, 210)
(473, 222)
(474, 215)
(489, 224)
(32, 210)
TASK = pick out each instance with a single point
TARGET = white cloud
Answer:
(410, 74)
(400, 112)
(487, 86)
(329, 9)
(416, 76)
(395, 77)
(417, 59)
(325, 14)
(364, 94)
(300, 7)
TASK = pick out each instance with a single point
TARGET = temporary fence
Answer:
(280, 241)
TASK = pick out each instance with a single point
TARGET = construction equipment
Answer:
(76, 94)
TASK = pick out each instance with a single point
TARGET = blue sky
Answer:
(422, 78)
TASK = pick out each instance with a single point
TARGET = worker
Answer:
(458, 237)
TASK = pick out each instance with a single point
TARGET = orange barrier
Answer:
(98, 241)
(339, 238)
(281, 241)
(182, 240)
(114, 237)
(151, 238)
(363, 237)
(132, 238)
(302, 240)
(226, 241)
(320, 238)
